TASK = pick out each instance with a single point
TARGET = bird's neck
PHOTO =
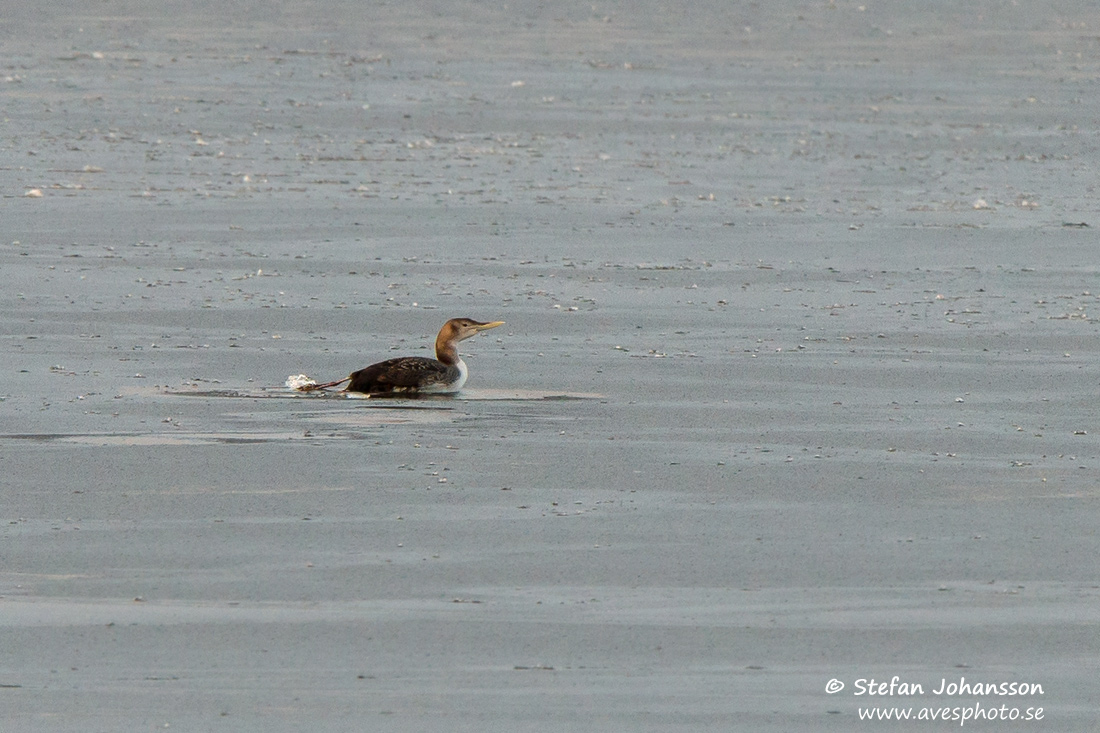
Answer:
(446, 350)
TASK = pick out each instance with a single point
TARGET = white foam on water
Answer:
(298, 382)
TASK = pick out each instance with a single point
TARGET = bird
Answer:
(445, 374)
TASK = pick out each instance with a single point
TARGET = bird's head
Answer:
(460, 329)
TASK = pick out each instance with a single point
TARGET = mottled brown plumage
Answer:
(412, 374)
(403, 374)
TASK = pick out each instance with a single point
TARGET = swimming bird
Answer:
(444, 374)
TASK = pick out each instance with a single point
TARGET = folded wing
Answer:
(403, 374)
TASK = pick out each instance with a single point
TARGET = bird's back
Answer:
(403, 374)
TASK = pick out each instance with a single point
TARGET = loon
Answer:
(444, 374)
